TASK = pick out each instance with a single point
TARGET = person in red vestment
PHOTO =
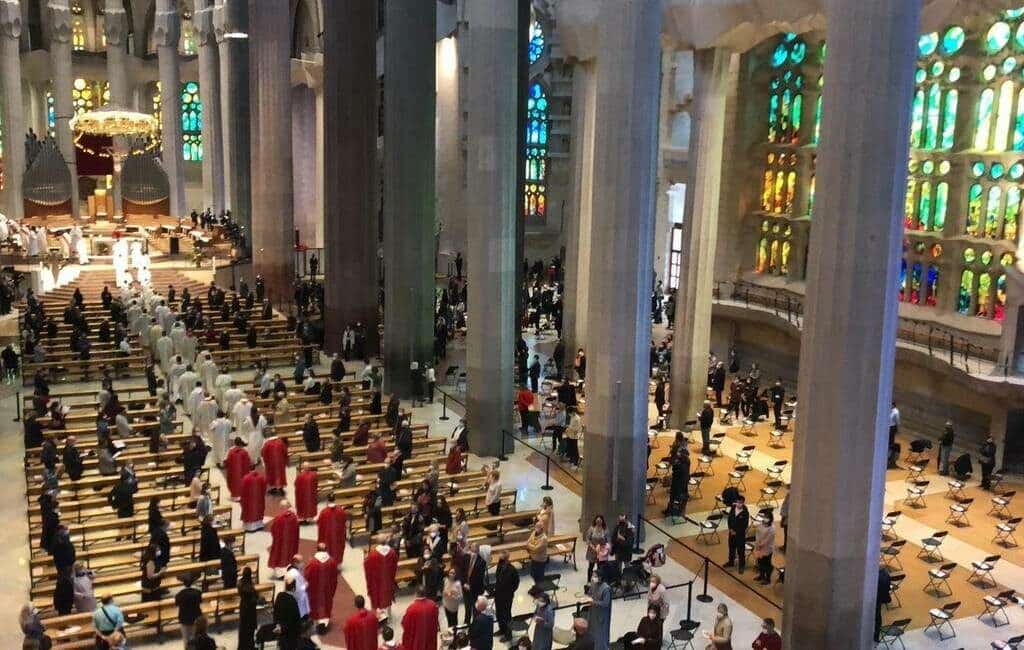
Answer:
(379, 567)
(361, 628)
(322, 577)
(376, 451)
(236, 465)
(275, 460)
(305, 494)
(419, 625)
(284, 533)
(331, 530)
(254, 500)
(454, 463)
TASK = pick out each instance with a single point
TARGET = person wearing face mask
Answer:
(649, 630)
(543, 620)
(768, 639)
(720, 638)
(599, 619)
(430, 576)
(451, 598)
(657, 597)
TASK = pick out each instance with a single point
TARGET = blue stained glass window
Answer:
(535, 196)
(536, 41)
(191, 122)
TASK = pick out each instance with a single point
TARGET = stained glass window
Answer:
(963, 303)
(77, 26)
(536, 41)
(779, 185)
(87, 95)
(51, 115)
(191, 122)
(932, 285)
(786, 100)
(187, 40)
(535, 195)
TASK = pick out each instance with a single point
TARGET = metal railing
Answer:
(939, 342)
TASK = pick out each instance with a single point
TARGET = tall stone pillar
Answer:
(349, 152)
(848, 344)
(231, 22)
(60, 70)
(409, 109)
(115, 29)
(273, 233)
(209, 93)
(166, 33)
(621, 237)
(13, 107)
(700, 235)
(491, 220)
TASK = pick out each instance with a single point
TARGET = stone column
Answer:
(409, 109)
(209, 93)
(60, 69)
(115, 28)
(13, 107)
(166, 33)
(700, 235)
(273, 232)
(848, 344)
(232, 24)
(350, 152)
(491, 221)
(628, 68)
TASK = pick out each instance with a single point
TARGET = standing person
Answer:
(492, 498)
(650, 630)
(706, 418)
(599, 621)
(361, 628)
(679, 489)
(573, 435)
(331, 528)
(894, 423)
(420, 624)
(481, 630)
(883, 596)
(597, 536)
(506, 581)
(657, 597)
(451, 598)
(537, 549)
(720, 637)
(543, 620)
(768, 639)
(321, 573)
(718, 382)
(784, 521)
(188, 601)
(287, 617)
(946, 448)
(284, 532)
(253, 498)
(535, 369)
(764, 547)
(622, 545)
(430, 377)
(739, 520)
(778, 395)
(247, 616)
(305, 494)
(988, 462)
(473, 586)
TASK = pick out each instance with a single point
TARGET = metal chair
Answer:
(891, 554)
(958, 513)
(931, 546)
(895, 581)
(889, 524)
(709, 529)
(938, 580)
(1001, 504)
(915, 494)
(956, 490)
(943, 617)
(982, 571)
(775, 470)
(891, 633)
(743, 455)
(1004, 533)
(995, 605)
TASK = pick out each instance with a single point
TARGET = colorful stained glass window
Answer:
(984, 304)
(51, 115)
(915, 283)
(536, 41)
(762, 255)
(932, 286)
(535, 194)
(785, 101)
(963, 303)
(999, 307)
(191, 122)
(903, 281)
(974, 202)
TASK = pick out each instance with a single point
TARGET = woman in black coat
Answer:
(247, 618)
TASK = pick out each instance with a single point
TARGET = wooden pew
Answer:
(563, 546)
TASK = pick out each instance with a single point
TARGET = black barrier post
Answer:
(444, 407)
(704, 597)
(18, 416)
(637, 549)
(688, 623)
(502, 457)
(547, 474)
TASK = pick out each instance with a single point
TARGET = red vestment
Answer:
(236, 465)
(305, 494)
(284, 533)
(419, 626)
(454, 464)
(376, 452)
(379, 569)
(254, 495)
(331, 531)
(275, 460)
(361, 631)
(322, 575)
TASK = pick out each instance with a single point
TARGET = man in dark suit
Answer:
(476, 571)
(287, 617)
(883, 597)
(739, 521)
(481, 630)
(506, 581)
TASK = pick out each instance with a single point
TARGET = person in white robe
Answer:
(77, 244)
(204, 413)
(220, 431)
(173, 375)
(301, 586)
(177, 335)
(162, 313)
(220, 386)
(208, 371)
(241, 410)
(188, 348)
(155, 332)
(254, 436)
(165, 352)
(187, 382)
(192, 402)
(232, 396)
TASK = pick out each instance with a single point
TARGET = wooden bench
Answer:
(471, 501)
(145, 477)
(563, 546)
(83, 509)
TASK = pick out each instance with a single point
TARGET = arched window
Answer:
(994, 200)
(191, 122)
(786, 90)
(77, 26)
(187, 39)
(535, 194)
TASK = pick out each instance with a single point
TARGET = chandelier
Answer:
(119, 124)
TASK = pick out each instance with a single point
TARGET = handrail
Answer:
(707, 561)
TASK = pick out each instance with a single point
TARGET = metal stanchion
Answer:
(17, 396)
(444, 407)
(688, 623)
(704, 597)
(502, 457)
(547, 474)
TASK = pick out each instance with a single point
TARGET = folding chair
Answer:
(889, 524)
(915, 494)
(938, 580)
(775, 470)
(917, 450)
(769, 495)
(681, 639)
(662, 469)
(994, 480)
(775, 438)
(982, 571)
(715, 443)
(895, 581)
(693, 485)
(1004, 533)
(891, 554)
(916, 470)
(1013, 643)
(891, 633)
(1001, 504)
(930, 546)
(743, 455)
(995, 605)
(652, 438)
(649, 489)
(956, 490)
(704, 465)
(958, 513)
(709, 529)
(943, 617)
(747, 428)
(736, 477)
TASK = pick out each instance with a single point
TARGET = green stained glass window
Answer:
(969, 255)
(984, 121)
(963, 303)
(997, 37)
(937, 68)
(917, 119)
(924, 206)
(984, 295)
(927, 43)
(908, 204)
(1018, 37)
(986, 258)
(1009, 63)
(941, 199)
(928, 167)
(974, 202)
(995, 195)
(1018, 127)
(920, 76)
(817, 120)
(1016, 170)
(977, 168)
(1004, 116)
(949, 119)
(191, 122)
(1012, 213)
(952, 40)
(797, 51)
(931, 127)
(780, 55)
(988, 73)
(996, 171)
(954, 75)
(943, 167)
(810, 197)
(1006, 259)
(798, 114)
